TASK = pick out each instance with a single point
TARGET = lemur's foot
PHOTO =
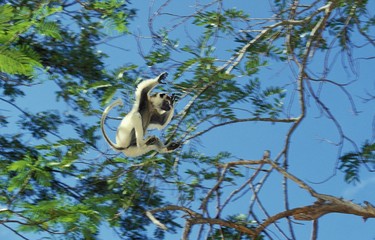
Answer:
(174, 145)
(152, 140)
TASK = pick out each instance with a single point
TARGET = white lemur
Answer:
(148, 112)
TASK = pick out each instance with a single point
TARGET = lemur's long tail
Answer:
(102, 121)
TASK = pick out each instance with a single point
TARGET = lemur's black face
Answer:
(166, 106)
(167, 102)
(163, 101)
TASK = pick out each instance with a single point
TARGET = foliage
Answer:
(20, 59)
(352, 161)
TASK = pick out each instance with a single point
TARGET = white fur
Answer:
(133, 120)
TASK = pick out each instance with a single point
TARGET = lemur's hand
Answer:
(173, 145)
(162, 77)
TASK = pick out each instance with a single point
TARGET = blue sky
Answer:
(313, 155)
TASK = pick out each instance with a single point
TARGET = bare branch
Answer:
(256, 119)
(155, 221)
(314, 235)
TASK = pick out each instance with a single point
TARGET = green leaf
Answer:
(158, 56)
(19, 166)
(18, 181)
(108, 95)
(352, 161)
(50, 29)
(43, 177)
(185, 66)
(99, 84)
(17, 61)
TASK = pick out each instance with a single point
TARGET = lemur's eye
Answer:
(162, 95)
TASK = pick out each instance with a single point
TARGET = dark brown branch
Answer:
(196, 218)
(325, 204)
(215, 221)
(314, 235)
(320, 208)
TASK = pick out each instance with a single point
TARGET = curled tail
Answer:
(102, 121)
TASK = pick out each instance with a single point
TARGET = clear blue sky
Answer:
(312, 158)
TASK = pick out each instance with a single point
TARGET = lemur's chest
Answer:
(146, 114)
